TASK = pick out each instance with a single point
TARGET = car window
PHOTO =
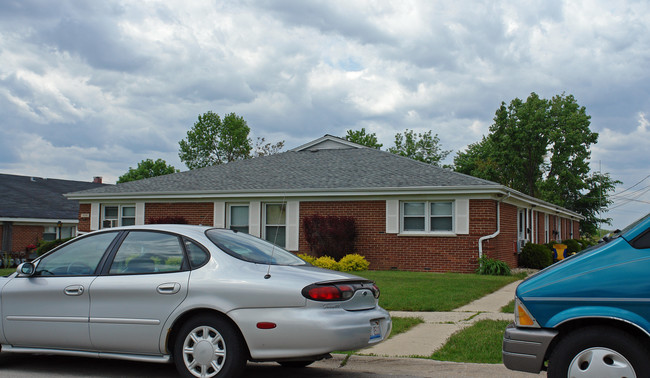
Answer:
(78, 258)
(144, 252)
(197, 255)
(249, 248)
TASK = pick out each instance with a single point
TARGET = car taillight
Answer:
(375, 291)
(328, 292)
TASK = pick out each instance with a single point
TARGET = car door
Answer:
(50, 309)
(131, 300)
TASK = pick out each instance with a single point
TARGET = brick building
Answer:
(34, 209)
(409, 215)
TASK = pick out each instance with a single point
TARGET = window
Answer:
(428, 216)
(249, 248)
(197, 255)
(148, 252)
(238, 218)
(118, 215)
(275, 230)
(79, 258)
(52, 232)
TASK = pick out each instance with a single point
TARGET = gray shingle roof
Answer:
(340, 169)
(32, 197)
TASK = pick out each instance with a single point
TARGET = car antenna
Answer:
(275, 237)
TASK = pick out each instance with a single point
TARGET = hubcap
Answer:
(600, 362)
(204, 352)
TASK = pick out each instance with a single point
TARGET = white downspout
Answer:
(496, 233)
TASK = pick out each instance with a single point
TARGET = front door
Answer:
(50, 309)
(132, 299)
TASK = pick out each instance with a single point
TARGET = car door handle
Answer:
(169, 288)
(74, 290)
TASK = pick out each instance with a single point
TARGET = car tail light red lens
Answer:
(337, 291)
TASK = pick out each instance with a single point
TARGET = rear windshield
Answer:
(249, 248)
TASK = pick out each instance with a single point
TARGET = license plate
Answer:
(375, 330)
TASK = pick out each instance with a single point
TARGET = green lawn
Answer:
(415, 291)
(480, 343)
(7, 271)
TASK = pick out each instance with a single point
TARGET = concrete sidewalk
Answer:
(424, 339)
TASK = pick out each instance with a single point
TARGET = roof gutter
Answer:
(496, 233)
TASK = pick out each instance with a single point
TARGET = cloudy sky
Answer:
(91, 88)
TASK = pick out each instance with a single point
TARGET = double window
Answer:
(427, 216)
(118, 215)
(274, 219)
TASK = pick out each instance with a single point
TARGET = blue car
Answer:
(588, 315)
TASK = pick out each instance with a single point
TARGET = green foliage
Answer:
(353, 263)
(492, 267)
(45, 246)
(146, 169)
(535, 256)
(423, 147)
(212, 142)
(360, 137)
(542, 148)
(326, 262)
(573, 246)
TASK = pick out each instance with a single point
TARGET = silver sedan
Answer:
(207, 299)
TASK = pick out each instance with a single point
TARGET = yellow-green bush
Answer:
(327, 263)
(349, 263)
(309, 258)
(353, 263)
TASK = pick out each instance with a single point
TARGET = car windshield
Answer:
(249, 248)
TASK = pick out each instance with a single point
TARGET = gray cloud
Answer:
(92, 88)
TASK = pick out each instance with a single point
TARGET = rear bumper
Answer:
(303, 332)
(524, 349)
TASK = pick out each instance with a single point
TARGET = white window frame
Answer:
(116, 222)
(427, 218)
(229, 215)
(265, 225)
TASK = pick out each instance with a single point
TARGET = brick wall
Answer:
(84, 223)
(419, 253)
(193, 212)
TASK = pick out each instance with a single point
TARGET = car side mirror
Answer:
(26, 269)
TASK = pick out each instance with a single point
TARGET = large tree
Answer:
(541, 148)
(363, 138)
(423, 147)
(212, 141)
(146, 169)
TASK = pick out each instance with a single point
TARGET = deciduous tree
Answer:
(146, 169)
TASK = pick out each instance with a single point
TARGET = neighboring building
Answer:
(34, 209)
(409, 215)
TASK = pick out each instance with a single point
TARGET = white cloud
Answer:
(101, 86)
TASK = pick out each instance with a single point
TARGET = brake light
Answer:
(330, 292)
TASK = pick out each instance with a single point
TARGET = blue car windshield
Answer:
(249, 248)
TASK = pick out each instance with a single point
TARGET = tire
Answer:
(208, 346)
(599, 352)
(295, 364)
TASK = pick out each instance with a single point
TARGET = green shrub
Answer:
(326, 262)
(535, 256)
(308, 258)
(572, 246)
(492, 267)
(353, 263)
(45, 246)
